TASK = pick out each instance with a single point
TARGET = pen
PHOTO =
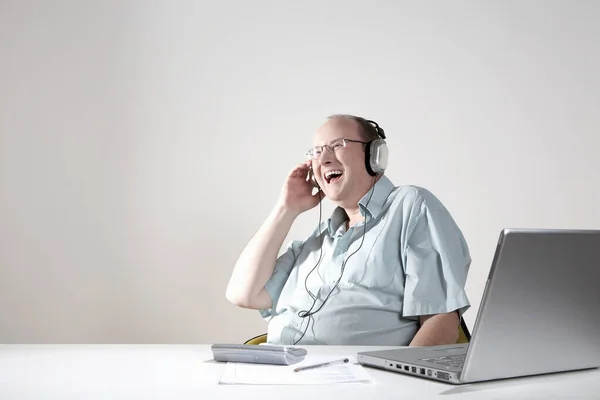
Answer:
(326, 364)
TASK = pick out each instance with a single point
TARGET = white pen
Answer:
(326, 364)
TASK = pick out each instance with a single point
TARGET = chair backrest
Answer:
(257, 339)
(464, 336)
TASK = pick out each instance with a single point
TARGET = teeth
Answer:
(329, 173)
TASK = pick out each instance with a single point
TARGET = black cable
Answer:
(303, 314)
(320, 254)
(309, 313)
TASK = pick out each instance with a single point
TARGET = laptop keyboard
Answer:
(455, 360)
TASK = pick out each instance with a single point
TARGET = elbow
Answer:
(232, 296)
(237, 298)
(245, 299)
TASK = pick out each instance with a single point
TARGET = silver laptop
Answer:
(540, 314)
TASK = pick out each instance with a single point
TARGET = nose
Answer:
(326, 157)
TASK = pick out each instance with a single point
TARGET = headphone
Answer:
(376, 152)
(376, 155)
(311, 178)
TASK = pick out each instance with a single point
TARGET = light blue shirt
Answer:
(412, 261)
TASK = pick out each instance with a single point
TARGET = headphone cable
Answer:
(309, 313)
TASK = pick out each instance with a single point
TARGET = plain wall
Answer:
(142, 143)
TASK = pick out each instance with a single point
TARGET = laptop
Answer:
(540, 314)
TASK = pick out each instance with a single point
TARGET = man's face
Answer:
(350, 179)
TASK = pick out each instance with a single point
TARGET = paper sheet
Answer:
(262, 374)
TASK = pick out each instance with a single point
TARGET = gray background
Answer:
(142, 143)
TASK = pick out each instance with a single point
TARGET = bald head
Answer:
(365, 129)
(335, 127)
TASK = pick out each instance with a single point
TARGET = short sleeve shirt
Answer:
(370, 283)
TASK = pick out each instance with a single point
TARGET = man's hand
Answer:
(437, 329)
(296, 194)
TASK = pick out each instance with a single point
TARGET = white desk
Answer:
(188, 372)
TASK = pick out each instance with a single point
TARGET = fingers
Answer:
(300, 169)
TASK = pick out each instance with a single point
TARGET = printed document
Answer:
(264, 374)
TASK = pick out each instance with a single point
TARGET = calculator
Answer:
(258, 354)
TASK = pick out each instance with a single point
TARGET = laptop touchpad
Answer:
(452, 350)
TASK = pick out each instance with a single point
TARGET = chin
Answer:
(332, 196)
(335, 196)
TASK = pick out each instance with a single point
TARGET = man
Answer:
(396, 279)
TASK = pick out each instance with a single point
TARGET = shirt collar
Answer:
(372, 202)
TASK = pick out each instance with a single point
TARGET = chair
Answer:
(257, 339)
(464, 336)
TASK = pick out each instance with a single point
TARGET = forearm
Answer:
(437, 330)
(255, 265)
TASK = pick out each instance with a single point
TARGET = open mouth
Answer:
(333, 176)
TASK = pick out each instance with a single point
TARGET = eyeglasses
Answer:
(333, 146)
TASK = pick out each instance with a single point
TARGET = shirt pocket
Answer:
(375, 265)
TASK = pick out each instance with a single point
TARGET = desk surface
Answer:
(189, 372)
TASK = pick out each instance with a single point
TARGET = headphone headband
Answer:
(378, 129)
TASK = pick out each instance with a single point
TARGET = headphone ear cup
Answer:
(313, 181)
(368, 154)
(376, 156)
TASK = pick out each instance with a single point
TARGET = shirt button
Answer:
(294, 324)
